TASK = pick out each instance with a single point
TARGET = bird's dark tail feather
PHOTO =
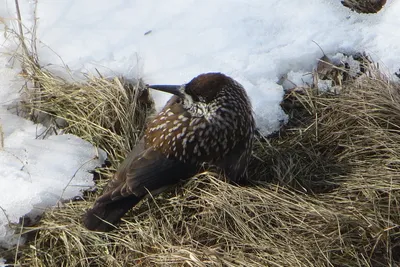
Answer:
(104, 216)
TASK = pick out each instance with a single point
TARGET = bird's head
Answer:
(203, 89)
(205, 119)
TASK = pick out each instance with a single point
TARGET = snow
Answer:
(36, 173)
(255, 42)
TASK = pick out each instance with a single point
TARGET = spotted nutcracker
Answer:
(208, 122)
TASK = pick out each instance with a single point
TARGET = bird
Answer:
(207, 123)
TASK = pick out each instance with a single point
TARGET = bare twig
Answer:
(21, 32)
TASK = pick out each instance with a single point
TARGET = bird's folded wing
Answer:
(149, 171)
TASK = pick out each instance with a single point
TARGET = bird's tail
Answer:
(104, 215)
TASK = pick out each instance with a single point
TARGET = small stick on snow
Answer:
(21, 32)
(1, 138)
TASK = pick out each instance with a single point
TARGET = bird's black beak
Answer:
(172, 89)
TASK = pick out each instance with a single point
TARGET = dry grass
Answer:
(364, 6)
(110, 113)
(325, 190)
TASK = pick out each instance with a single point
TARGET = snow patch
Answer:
(37, 173)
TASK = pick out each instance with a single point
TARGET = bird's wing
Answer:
(148, 171)
(141, 172)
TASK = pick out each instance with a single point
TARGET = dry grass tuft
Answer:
(364, 6)
(109, 113)
(344, 151)
(206, 222)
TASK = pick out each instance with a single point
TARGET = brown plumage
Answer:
(208, 122)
